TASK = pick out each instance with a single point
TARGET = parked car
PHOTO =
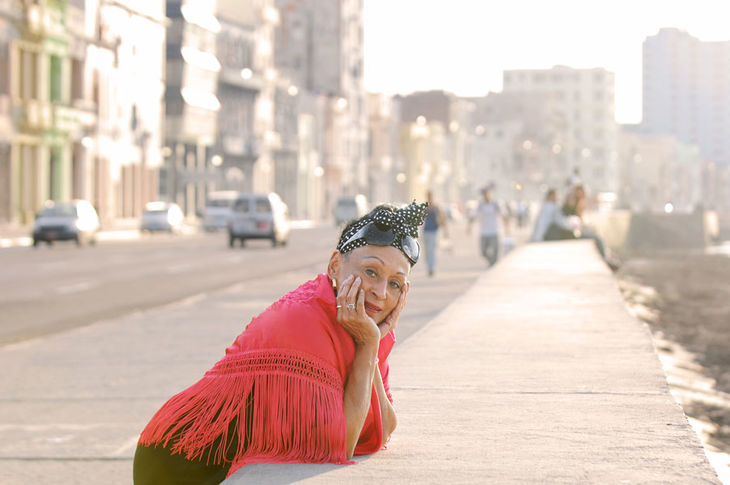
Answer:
(74, 220)
(161, 216)
(218, 209)
(259, 216)
(349, 207)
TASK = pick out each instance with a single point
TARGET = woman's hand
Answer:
(352, 316)
(392, 320)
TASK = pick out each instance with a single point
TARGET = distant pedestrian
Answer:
(307, 379)
(573, 179)
(435, 222)
(489, 213)
(551, 224)
(572, 210)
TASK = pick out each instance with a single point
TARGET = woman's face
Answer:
(383, 270)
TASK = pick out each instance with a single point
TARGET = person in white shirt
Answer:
(488, 214)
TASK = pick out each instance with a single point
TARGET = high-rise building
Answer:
(191, 103)
(686, 91)
(246, 89)
(583, 101)
(319, 48)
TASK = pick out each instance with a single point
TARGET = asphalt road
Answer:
(50, 289)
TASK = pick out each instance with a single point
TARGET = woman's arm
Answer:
(387, 411)
(357, 393)
(366, 336)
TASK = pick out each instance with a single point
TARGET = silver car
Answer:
(259, 216)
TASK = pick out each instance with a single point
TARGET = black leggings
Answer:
(158, 466)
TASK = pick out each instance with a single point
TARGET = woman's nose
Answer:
(379, 289)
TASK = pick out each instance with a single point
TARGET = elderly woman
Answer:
(307, 380)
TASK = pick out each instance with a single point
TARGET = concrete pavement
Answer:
(537, 374)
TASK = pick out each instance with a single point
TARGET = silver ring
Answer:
(350, 306)
(339, 306)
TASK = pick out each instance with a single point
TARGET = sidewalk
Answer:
(537, 374)
(17, 235)
(21, 235)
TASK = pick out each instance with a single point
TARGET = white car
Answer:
(74, 220)
(161, 216)
(259, 216)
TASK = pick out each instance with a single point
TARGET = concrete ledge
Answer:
(537, 374)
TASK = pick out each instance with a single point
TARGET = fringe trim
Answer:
(296, 412)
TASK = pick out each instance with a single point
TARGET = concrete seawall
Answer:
(536, 374)
(626, 231)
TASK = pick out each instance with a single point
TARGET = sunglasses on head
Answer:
(381, 236)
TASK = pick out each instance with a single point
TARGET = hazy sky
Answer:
(463, 46)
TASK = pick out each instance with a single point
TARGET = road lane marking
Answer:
(128, 445)
(178, 268)
(75, 288)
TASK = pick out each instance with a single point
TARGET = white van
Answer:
(259, 216)
(218, 209)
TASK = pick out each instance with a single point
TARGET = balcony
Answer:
(33, 115)
(244, 79)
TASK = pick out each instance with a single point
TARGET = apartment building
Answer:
(583, 103)
(78, 124)
(247, 91)
(319, 48)
(686, 91)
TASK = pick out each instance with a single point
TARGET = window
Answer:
(77, 79)
(241, 205)
(28, 74)
(4, 71)
(55, 83)
(263, 206)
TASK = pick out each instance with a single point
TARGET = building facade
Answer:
(74, 128)
(686, 91)
(191, 104)
(246, 89)
(319, 49)
(583, 104)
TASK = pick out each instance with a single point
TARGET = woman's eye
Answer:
(395, 284)
(370, 272)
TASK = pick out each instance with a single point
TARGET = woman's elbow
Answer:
(390, 426)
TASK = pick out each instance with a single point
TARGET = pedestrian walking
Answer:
(489, 213)
(307, 380)
(435, 223)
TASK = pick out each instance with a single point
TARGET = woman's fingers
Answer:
(361, 302)
(392, 320)
(352, 294)
(343, 291)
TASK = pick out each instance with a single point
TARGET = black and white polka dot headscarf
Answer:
(403, 221)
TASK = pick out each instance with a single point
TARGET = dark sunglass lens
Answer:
(410, 247)
(378, 236)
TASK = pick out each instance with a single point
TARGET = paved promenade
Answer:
(534, 374)
(537, 374)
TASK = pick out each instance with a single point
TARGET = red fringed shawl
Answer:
(290, 364)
